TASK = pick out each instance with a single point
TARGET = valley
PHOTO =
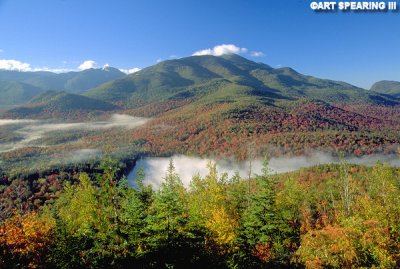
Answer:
(205, 161)
(201, 105)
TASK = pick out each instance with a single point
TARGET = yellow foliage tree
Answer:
(209, 209)
(330, 247)
(26, 238)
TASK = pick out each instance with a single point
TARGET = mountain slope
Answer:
(72, 82)
(197, 76)
(208, 105)
(387, 87)
(90, 78)
(59, 104)
(15, 93)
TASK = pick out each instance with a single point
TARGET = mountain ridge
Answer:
(177, 78)
(387, 87)
(207, 105)
(34, 83)
(56, 104)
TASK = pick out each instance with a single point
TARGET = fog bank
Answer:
(155, 168)
(31, 130)
(10, 121)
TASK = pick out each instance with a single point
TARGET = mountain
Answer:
(19, 87)
(90, 78)
(230, 77)
(221, 106)
(207, 105)
(387, 87)
(14, 93)
(59, 105)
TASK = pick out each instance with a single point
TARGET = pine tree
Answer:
(169, 238)
(260, 237)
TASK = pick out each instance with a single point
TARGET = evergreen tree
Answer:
(261, 232)
(168, 238)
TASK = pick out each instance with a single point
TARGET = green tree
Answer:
(263, 231)
(89, 219)
(169, 241)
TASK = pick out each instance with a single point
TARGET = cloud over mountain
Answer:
(87, 65)
(14, 65)
(130, 70)
(221, 50)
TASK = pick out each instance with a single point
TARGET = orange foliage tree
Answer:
(26, 238)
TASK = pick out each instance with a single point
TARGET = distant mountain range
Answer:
(225, 78)
(19, 87)
(387, 87)
(217, 105)
(15, 93)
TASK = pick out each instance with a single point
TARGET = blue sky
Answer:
(359, 48)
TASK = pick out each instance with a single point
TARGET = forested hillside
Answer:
(332, 216)
(212, 106)
(199, 77)
(219, 105)
(13, 93)
(60, 209)
(58, 105)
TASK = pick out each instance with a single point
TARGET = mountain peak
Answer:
(387, 87)
(225, 78)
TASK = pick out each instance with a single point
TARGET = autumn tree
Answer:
(25, 240)
(212, 212)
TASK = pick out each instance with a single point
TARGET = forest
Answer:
(194, 134)
(327, 216)
(65, 203)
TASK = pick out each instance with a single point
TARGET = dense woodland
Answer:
(331, 216)
(61, 207)
(226, 129)
(200, 105)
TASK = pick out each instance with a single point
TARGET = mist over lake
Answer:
(155, 167)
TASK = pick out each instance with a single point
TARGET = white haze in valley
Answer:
(81, 155)
(31, 130)
(186, 167)
(11, 121)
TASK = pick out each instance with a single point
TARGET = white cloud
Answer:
(14, 65)
(87, 65)
(221, 50)
(130, 71)
(257, 54)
